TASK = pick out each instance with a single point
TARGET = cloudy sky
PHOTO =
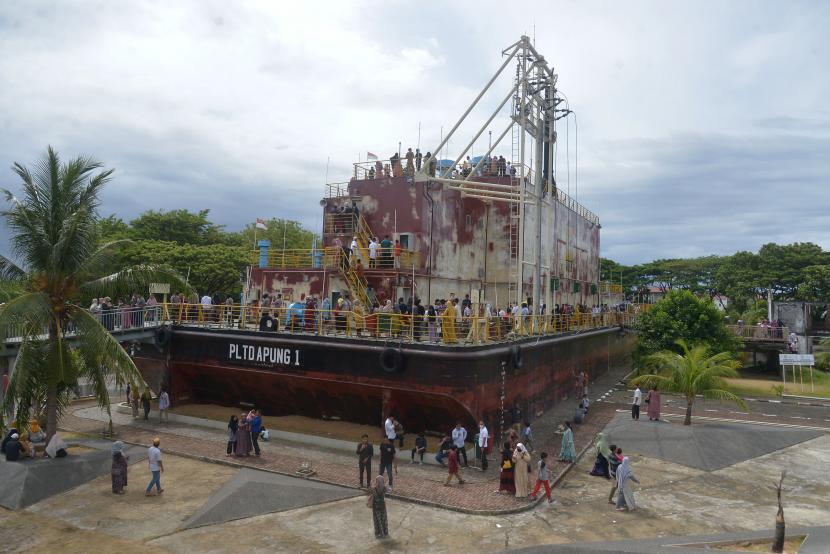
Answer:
(703, 127)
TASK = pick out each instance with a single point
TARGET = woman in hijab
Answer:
(567, 453)
(385, 317)
(243, 437)
(603, 453)
(448, 323)
(653, 401)
(377, 502)
(233, 426)
(507, 482)
(119, 468)
(521, 467)
(431, 327)
(7, 438)
(625, 496)
(57, 448)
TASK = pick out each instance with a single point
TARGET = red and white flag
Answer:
(260, 224)
(370, 157)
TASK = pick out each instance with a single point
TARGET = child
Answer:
(452, 464)
(420, 447)
(527, 436)
(543, 479)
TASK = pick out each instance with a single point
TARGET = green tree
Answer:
(692, 372)
(816, 284)
(54, 232)
(681, 315)
(179, 226)
(279, 231)
(211, 269)
(113, 228)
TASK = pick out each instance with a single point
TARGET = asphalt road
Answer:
(801, 413)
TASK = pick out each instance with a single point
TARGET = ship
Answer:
(516, 257)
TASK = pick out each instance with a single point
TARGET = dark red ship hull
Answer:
(327, 377)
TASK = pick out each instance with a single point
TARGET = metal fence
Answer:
(115, 320)
(761, 333)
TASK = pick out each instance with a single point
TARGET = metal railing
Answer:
(576, 207)
(761, 333)
(115, 320)
(378, 169)
(298, 318)
(332, 257)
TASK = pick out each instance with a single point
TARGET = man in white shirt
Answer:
(635, 405)
(353, 247)
(164, 405)
(389, 427)
(373, 253)
(459, 435)
(156, 467)
(483, 443)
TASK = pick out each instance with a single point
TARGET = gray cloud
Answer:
(700, 131)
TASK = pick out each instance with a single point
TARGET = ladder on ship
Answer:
(514, 236)
(358, 286)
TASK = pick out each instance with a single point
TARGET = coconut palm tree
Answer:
(54, 235)
(694, 372)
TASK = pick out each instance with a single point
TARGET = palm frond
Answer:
(101, 353)
(132, 279)
(102, 257)
(10, 271)
(29, 314)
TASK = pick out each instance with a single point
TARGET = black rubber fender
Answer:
(163, 335)
(516, 357)
(391, 360)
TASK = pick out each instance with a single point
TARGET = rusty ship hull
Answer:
(341, 378)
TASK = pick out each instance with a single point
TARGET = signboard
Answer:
(797, 359)
(159, 288)
(263, 355)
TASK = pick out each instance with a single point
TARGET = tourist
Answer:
(443, 450)
(410, 158)
(233, 427)
(136, 401)
(387, 460)
(397, 252)
(364, 452)
(625, 496)
(266, 322)
(542, 479)
(420, 448)
(353, 250)
(567, 453)
(13, 447)
(156, 467)
(56, 448)
(521, 469)
(386, 252)
(507, 481)
(653, 401)
(459, 438)
(635, 404)
(378, 505)
(584, 403)
(373, 252)
(399, 432)
(119, 468)
(448, 323)
(527, 436)
(145, 403)
(243, 436)
(255, 420)
(389, 428)
(452, 465)
(613, 464)
(600, 468)
(164, 406)
(7, 438)
(431, 323)
(483, 443)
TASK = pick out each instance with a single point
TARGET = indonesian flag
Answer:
(370, 156)
(260, 224)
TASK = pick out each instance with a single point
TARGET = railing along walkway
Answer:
(299, 319)
(761, 333)
(117, 321)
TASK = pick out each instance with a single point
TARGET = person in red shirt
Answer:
(397, 253)
(452, 464)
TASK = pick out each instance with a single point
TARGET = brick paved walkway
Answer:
(415, 483)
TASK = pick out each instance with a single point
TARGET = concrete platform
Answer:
(29, 481)
(817, 542)
(708, 446)
(251, 493)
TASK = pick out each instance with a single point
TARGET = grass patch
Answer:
(773, 388)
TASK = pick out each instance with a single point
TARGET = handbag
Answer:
(507, 464)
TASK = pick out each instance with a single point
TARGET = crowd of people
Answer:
(406, 165)
(125, 312)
